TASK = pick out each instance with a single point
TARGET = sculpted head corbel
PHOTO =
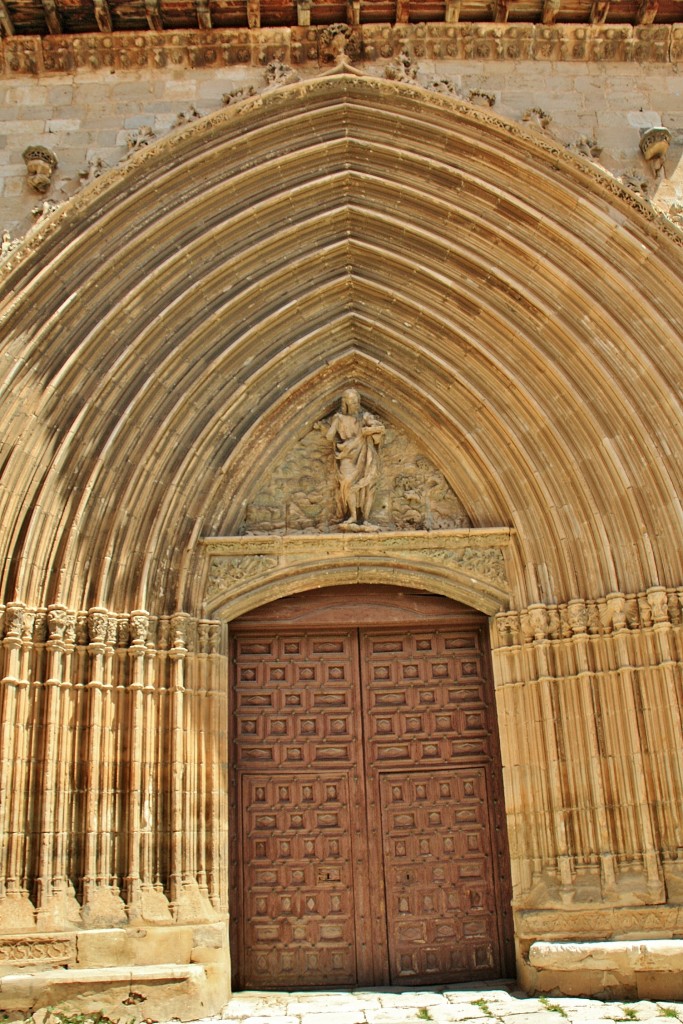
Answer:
(40, 165)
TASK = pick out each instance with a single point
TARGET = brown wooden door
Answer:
(368, 845)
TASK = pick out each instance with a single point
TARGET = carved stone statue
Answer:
(357, 436)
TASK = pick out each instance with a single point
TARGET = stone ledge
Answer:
(662, 955)
(157, 991)
(101, 976)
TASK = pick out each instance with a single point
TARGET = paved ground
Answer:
(496, 1003)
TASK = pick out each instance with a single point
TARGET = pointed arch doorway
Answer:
(368, 842)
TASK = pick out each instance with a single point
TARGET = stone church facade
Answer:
(342, 607)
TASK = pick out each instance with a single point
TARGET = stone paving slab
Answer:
(412, 999)
(493, 1004)
(333, 1016)
(458, 1012)
(268, 1020)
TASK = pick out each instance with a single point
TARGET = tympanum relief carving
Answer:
(353, 472)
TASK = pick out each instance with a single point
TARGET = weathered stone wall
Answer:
(592, 89)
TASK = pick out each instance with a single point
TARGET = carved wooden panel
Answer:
(426, 699)
(298, 898)
(295, 700)
(441, 910)
(364, 769)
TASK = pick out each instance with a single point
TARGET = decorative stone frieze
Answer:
(322, 44)
(657, 606)
(53, 949)
(619, 923)
(469, 565)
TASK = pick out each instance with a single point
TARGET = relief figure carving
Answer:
(357, 436)
(355, 473)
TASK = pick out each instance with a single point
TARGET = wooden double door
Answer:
(368, 841)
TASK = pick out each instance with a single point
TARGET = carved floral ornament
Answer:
(102, 630)
(615, 615)
(467, 565)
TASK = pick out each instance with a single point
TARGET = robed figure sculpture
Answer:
(357, 436)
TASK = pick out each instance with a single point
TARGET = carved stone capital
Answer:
(139, 627)
(56, 621)
(659, 603)
(578, 617)
(14, 619)
(98, 625)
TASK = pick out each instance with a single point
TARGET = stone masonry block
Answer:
(162, 945)
(658, 985)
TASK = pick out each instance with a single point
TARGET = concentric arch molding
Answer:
(241, 573)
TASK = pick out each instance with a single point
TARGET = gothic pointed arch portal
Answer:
(173, 331)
